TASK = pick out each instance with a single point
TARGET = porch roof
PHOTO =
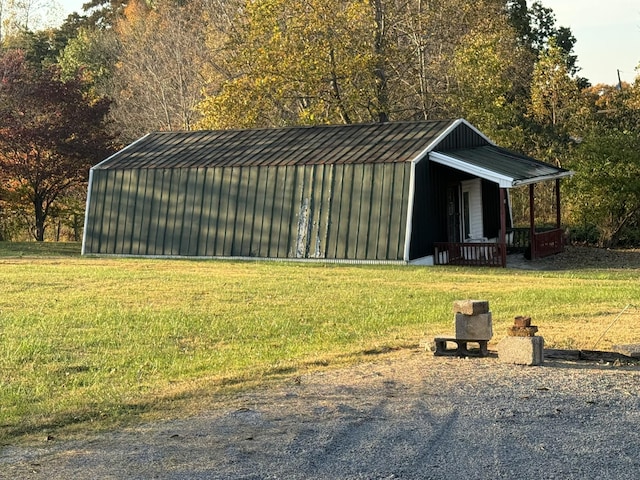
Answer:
(504, 167)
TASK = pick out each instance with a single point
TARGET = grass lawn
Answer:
(96, 342)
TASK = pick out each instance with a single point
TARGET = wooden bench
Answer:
(461, 349)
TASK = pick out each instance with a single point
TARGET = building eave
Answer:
(503, 181)
(443, 159)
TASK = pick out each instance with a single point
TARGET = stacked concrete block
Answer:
(472, 323)
(472, 320)
(521, 345)
(522, 328)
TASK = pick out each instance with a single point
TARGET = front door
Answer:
(453, 213)
(471, 209)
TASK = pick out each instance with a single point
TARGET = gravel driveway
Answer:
(405, 415)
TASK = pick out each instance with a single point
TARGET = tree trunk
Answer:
(41, 217)
(612, 237)
(76, 227)
(382, 87)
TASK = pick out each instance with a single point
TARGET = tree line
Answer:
(71, 95)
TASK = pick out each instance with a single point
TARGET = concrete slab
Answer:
(521, 350)
(630, 350)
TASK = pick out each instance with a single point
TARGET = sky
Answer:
(607, 34)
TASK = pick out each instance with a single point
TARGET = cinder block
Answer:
(521, 350)
(473, 327)
(440, 344)
(471, 307)
(521, 321)
(514, 331)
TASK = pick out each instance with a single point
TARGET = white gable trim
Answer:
(86, 213)
(463, 121)
(408, 228)
(120, 151)
(543, 178)
(502, 180)
(434, 143)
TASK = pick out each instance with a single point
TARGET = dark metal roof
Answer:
(324, 144)
(500, 165)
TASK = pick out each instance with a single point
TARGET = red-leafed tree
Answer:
(50, 135)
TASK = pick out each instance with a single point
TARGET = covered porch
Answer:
(508, 170)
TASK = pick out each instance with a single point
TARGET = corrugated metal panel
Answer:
(137, 194)
(462, 136)
(94, 212)
(504, 162)
(175, 208)
(266, 201)
(218, 212)
(325, 144)
(284, 215)
(354, 210)
(350, 211)
(384, 185)
(154, 198)
(206, 217)
(114, 197)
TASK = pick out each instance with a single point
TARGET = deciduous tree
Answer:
(157, 81)
(292, 62)
(553, 92)
(92, 55)
(605, 193)
(317, 61)
(50, 134)
(490, 70)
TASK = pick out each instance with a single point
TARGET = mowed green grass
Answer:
(93, 342)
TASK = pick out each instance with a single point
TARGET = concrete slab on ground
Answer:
(630, 350)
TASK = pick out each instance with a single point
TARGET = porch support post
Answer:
(532, 221)
(558, 217)
(503, 228)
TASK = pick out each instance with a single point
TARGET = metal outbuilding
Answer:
(385, 192)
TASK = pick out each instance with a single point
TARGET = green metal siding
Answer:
(207, 218)
(344, 211)
(462, 137)
(384, 184)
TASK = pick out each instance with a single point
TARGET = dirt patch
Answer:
(579, 258)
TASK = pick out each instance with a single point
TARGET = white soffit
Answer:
(502, 180)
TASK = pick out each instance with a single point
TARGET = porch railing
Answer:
(547, 240)
(548, 243)
(518, 239)
(469, 254)
(490, 253)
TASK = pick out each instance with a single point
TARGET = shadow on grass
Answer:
(178, 401)
(100, 417)
(39, 249)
